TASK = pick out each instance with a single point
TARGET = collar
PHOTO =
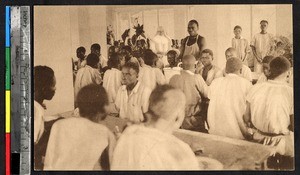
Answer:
(232, 75)
(134, 90)
(189, 72)
(238, 38)
(277, 82)
(208, 67)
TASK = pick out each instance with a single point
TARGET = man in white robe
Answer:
(228, 102)
(151, 146)
(161, 43)
(82, 143)
(262, 45)
(132, 98)
(270, 109)
(89, 74)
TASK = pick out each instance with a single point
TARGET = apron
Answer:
(192, 49)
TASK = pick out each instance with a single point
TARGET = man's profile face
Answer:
(50, 91)
(206, 59)
(263, 26)
(192, 29)
(129, 76)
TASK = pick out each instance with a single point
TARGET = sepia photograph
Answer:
(163, 87)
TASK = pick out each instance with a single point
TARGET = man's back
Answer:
(85, 76)
(271, 105)
(143, 148)
(76, 144)
(192, 86)
(227, 105)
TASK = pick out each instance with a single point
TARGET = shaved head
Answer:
(188, 62)
(230, 52)
(166, 102)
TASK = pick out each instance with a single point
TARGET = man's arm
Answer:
(201, 85)
(182, 48)
(252, 45)
(201, 44)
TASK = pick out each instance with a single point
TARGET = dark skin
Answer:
(46, 93)
(80, 55)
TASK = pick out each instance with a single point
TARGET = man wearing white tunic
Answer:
(132, 99)
(228, 102)
(262, 45)
(151, 146)
(81, 143)
(150, 75)
(161, 43)
(112, 79)
(194, 88)
(89, 74)
(209, 72)
(270, 109)
(246, 72)
(44, 89)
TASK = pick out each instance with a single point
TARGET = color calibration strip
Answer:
(7, 91)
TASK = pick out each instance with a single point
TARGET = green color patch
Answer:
(7, 68)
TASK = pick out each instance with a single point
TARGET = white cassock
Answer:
(271, 104)
(151, 76)
(143, 148)
(161, 44)
(227, 106)
(85, 76)
(77, 144)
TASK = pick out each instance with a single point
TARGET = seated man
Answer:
(228, 102)
(44, 89)
(132, 98)
(270, 109)
(149, 75)
(172, 69)
(209, 72)
(112, 79)
(78, 143)
(194, 88)
(266, 69)
(89, 74)
(151, 146)
(246, 72)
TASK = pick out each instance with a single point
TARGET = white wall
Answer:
(58, 31)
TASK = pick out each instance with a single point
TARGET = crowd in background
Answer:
(158, 90)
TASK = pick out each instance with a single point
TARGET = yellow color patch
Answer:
(7, 111)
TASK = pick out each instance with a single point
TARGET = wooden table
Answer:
(232, 153)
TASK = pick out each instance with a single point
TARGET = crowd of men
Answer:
(156, 98)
